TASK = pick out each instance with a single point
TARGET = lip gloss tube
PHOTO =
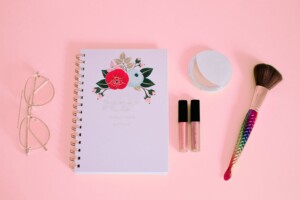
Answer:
(195, 125)
(182, 125)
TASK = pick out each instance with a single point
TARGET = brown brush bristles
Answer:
(266, 75)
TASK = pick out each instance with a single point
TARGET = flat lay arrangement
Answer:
(111, 133)
(151, 100)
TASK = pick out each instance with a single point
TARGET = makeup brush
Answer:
(266, 77)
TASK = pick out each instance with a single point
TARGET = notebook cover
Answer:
(124, 127)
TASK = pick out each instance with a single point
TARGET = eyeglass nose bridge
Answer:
(29, 111)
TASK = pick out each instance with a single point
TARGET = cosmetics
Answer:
(266, 77)
(182, 125)
(210, 71)
(195, 125)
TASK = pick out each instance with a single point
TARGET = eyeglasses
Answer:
(33, 132)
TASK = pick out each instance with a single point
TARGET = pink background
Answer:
(46, 35)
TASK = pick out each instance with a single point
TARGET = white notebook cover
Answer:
(124, 127)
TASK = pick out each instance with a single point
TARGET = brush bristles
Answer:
(266, 76)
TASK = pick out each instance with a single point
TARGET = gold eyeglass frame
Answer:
(30, 104)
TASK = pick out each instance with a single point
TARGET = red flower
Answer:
(117, 79)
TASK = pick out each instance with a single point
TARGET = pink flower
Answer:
(148, 100)
(153, 93)
(94, 90)
(100, 96)
(142, 65)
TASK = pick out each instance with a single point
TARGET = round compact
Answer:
(210, 70)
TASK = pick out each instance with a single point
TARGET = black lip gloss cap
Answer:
(195, 110)
(182, 111)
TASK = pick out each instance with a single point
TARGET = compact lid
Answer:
(210, 70)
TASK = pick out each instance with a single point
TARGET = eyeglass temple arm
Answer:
(20, 108)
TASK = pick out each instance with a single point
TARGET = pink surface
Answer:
(46, 35)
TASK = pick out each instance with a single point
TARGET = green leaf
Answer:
(151, 92)
(146, 71)
(102, 84)
(147, 83)
(104, 72)
(138, 60)
(97, 90)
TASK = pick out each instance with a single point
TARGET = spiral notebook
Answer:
(120, 112)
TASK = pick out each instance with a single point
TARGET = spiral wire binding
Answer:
(77, 113)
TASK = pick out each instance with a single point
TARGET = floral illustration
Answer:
(117, 79)
(122, 73)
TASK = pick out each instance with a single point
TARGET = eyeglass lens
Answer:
(38, 91)
(34, 133)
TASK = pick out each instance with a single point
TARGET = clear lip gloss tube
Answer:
(195, 125)
(182, 123)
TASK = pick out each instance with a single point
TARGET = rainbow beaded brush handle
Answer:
(266, 77)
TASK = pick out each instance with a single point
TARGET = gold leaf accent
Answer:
(122, 56)
(127, 60)
(118, 61)
(130, 65)
(122, 66)
(138, 88)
